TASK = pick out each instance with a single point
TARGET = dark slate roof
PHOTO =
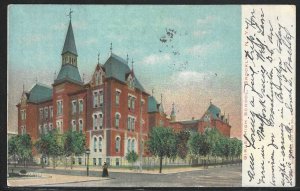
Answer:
(69, 45)
(39, 93)
(152, 104)
(189, 122)
(214, 111)
(117, 68)
(70, 73)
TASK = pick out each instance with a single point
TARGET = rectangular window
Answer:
(59, 107)
(101, 98)
(118, 97)
(117, 162)
(40, 129)
(128, 123)
(51, 112)
(117, 120)
(132, 124)
(73, 125)
(101, 120)
(95, 144)
(95, 122)
(94, 162)
(80, 125)
(23, 114)
(99, 161)
(80, 106)
(95, 103)
(100, 144)
(74, 108)
(46, 113)
(50, 126)
(107, 161)
(132, 103)
(59, 125)
(129, 101)
(45, 128)
(41, 113)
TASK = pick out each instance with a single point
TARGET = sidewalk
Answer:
(134, 170)
(50, 179)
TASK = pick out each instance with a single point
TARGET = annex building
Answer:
(113, 109)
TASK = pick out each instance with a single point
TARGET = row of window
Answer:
(74, 106)
(43, 129)
(98, 98)
(97, 144)
(45, 113)
(80, 125)
(97, 121)
(23, 130)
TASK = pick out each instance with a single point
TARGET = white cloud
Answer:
(31, 39)
(205, 20)
(90, 41)
(199, 33)
(156, 59)
(201, 49)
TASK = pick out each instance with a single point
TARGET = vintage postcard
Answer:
(151, 95)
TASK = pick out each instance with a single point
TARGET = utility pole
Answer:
(141, 131)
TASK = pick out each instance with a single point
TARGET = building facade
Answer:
(113, 109)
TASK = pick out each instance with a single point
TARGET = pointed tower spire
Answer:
(132, 67)
(69, 45)
(98, 57)
(127, 58)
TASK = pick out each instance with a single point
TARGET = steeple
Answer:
(69, 71)
(69, 52)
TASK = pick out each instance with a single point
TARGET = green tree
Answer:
(162, 143)
(24, 147)
(13, 148)
(225, 147)
(50, 145)
(131, 157)
(213, 137)
(182, 143)
(199, 145)
(74, 144)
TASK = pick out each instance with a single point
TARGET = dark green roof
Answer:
(117, 68)
(152, 104)
(214, 111)
(68, 72)
(39, 93)
(69, 45)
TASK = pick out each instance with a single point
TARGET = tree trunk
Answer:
(71, 161)
(160, 164)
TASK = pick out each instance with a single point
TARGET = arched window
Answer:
(128, 145)
(118, 144)
(95, 144)
(101, 120)
(117, 122)
(133, 145)
(100, 144)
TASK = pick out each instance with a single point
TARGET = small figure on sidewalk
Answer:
(105, 171)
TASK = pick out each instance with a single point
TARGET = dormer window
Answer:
(130, 82)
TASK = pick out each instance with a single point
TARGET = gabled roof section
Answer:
(117, 68)
(68, 72)
(152, 104)
(70, 45)
(214, 111)
(39, 93)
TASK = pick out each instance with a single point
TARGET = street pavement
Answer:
(226, 176)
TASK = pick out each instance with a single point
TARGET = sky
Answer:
(189, 54)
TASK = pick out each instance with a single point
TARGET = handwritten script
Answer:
(268, 91)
